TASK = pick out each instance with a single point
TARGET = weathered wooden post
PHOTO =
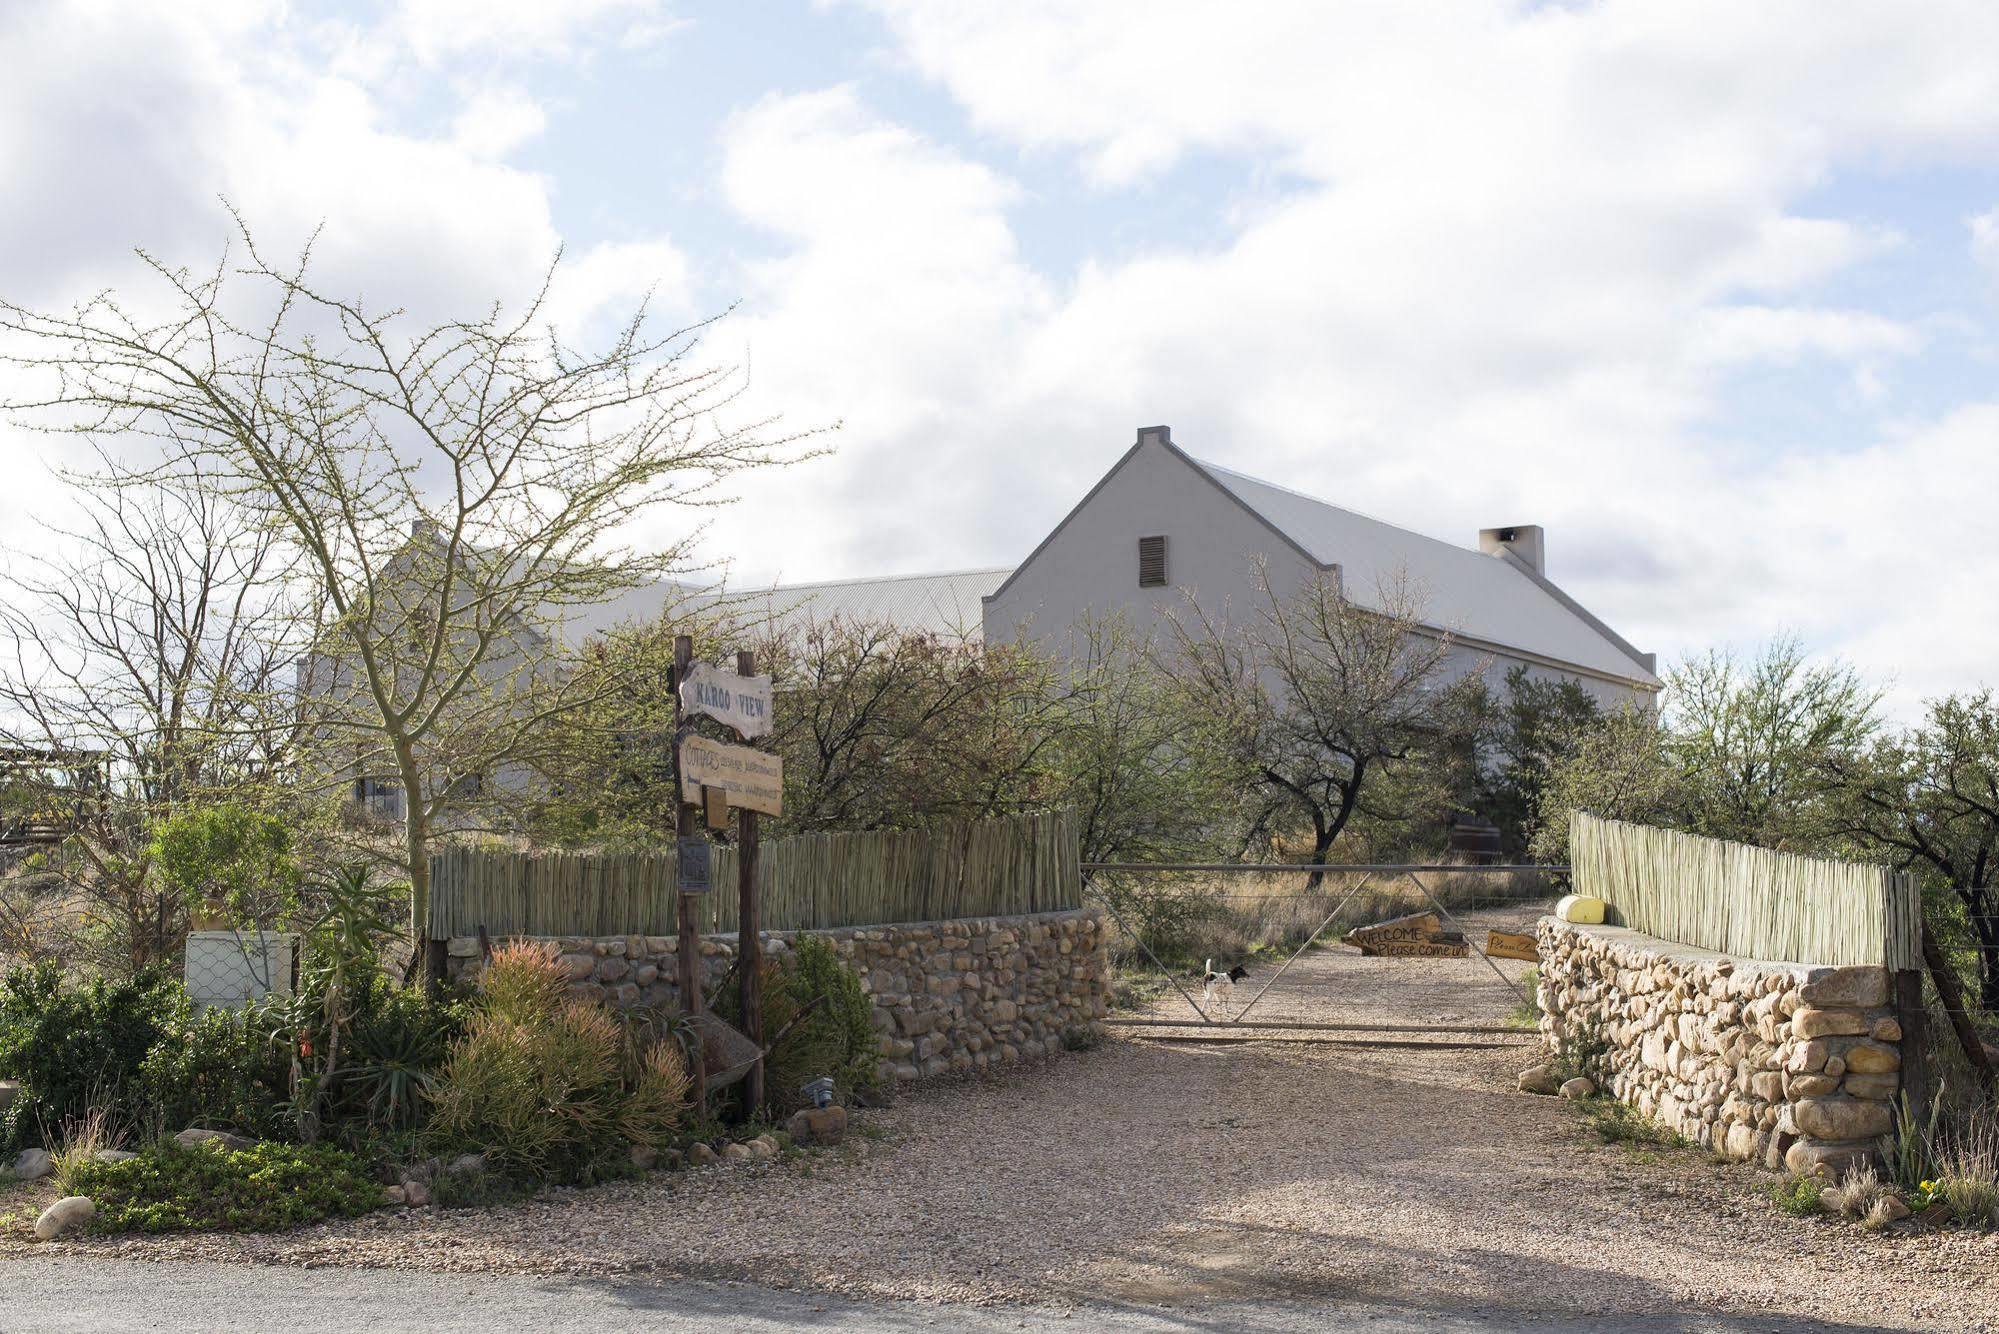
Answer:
(749, 950)
(687, 825)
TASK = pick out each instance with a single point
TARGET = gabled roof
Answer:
(1493, 599)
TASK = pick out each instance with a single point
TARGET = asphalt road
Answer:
(121, 1296)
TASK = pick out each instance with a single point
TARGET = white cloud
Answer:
(1985, 240)
(126, 127)
(494, 122)
(1525, 256)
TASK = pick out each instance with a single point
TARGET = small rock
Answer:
(700, 1155)
(114, 1156)
(644, 1159)
(735, 1152)
(1888, 1209)
(1578, 1088)
(10, 1089)
(763, 1147)
(32, 1165)
(65, 1215)
(674, 1158)
(394, 1197)
(194, 1135)
(415, 1193)
(1538, 1079)
(467, 1165)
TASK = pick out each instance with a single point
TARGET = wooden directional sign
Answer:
(753, 780)
(743, 702)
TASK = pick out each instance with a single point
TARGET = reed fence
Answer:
(993, 868)
(1747, 901)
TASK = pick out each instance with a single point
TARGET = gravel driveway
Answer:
(1154, 1175)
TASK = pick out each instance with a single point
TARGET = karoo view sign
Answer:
(754, 780)
(742, 702)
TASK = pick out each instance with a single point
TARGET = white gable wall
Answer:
(1089, 565)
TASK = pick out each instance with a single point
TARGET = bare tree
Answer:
(460, 492)
(145, 655)
(1314, 701)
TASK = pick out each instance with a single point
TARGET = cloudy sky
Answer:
(1711, 290)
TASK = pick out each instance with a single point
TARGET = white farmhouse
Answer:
(1163, 527)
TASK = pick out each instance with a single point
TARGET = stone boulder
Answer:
(10, 1089)
(114, 1156)
(66, 1215)
(700, 1155)
(1575, 1090)
(1539, 1079)
(32, 1165)
(1858, 987)
(1834, 1161)
(194, 1135)
(823, 1126)
(1837, 1118)
(644, 1159)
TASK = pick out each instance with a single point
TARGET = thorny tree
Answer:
(1929, 799)
(145, 651)
(460, 492)
(1314, 700)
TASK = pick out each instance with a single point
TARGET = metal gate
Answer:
(1234, 1025)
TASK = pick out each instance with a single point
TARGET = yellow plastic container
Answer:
(1584, 909)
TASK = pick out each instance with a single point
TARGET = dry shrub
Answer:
(539, 1083)
(522, 981)
(1966, 1162)
(82, 1139)
(651, 1115)
(1860, 1194)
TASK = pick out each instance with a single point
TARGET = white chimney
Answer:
(1525, 540)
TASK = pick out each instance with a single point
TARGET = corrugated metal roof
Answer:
(1463, 591)
(946, 604)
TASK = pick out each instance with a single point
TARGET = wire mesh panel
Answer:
(230, 969)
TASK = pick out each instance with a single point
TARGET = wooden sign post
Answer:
(687, 825)
(749, 949)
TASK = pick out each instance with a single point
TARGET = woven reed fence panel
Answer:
(1747, 901)
(992, 868)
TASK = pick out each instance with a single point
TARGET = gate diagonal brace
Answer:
(1458, 926)
(1344, 900)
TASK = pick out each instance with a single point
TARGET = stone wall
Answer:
(948, 996)
(1785, 1064)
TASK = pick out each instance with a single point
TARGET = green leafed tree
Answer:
(457, 492)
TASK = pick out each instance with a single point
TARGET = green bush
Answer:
(1799, 1196)
(75, 1047)
(219, 1068)
(264, 1188)
(836, 1038)
(542, 1085)
(393, 1053)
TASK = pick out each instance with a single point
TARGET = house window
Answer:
(379, 796)
(1152, 562)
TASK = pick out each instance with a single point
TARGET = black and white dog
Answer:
(1217, 986)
